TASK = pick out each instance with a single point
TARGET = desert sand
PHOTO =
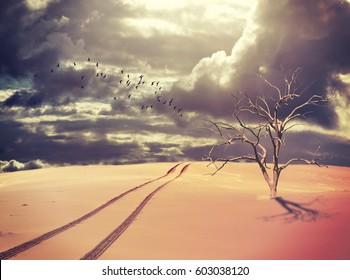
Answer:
(170, 211)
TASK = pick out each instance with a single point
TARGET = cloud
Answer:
(13, 165)
(289, 33)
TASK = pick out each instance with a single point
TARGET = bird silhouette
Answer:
(120, 81)
(82, 77)
(35, 76)
(164, 102)
(58, 65)
(105, 75)
(51, 70)
(179, 110)
(129, 95)
(97, 74)
(170, 101)
(122, 71)
(74, 63)
(174, 107)
(97, 64)
(82, 86)
(89, 59)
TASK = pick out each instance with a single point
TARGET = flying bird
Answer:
(89, 59)
(171, 101)
(158, 98)
(35, 75)
(164, 102)
(97, 64)
(82, 86)
(129, 95)
(179, 110)
(51, 70)
(82, 77)
(122, 71)
(105, 75)
(58, 65)
(74, 63)
(97, 74)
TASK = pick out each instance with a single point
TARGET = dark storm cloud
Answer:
(11, 36)
(17, 142)
(69, 145)
(75, 30)
(311, 35)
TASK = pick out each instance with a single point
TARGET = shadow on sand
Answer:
(296, 212)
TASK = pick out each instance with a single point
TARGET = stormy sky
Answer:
(129, 81)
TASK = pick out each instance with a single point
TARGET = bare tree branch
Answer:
(272, 86)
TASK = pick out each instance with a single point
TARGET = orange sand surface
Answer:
(193, 216)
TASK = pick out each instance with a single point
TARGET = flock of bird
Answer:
(132, 87)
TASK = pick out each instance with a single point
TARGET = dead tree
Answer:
(269, 124)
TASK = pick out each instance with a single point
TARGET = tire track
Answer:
(100, 248)
(33, 242)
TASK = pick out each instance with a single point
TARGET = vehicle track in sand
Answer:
(33, 242)
(101, 247)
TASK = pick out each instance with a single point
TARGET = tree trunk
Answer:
(271, 183)
(273, 191)
(274, 183)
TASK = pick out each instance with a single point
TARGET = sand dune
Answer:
(155, 211)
